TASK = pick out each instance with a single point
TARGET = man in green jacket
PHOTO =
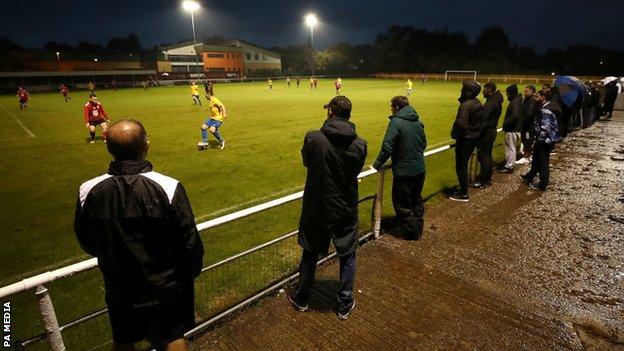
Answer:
(405, 142)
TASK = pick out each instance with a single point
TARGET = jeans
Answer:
(408, 204)
(307, 270)
(463, 151)
(541, 163)
(511, 144)
(484, 154)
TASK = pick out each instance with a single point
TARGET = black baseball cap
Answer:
(340, 106)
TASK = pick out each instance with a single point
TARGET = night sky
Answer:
(540, 24)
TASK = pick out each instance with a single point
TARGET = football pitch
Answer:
(46, 156)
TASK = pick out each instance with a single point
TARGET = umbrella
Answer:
(571, 89)
(608, 80)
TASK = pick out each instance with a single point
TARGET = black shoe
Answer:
(505, 170)
(536, 186)
(345, 310)
(296, 305)
(525, 179)
(480, 185)
(459, 197)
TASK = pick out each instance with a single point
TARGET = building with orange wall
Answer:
(222, 61)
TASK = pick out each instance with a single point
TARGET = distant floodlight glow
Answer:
(190, 5)
(311, 20)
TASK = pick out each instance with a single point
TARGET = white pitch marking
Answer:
(30, 134)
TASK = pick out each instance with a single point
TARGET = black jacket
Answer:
(492, 110)
(334, 156)
(140, 226)
(531, 109)
(405, 141)
(610, 95)
(514, 114)
(468, 121)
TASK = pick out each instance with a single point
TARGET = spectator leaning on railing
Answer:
(466, 131)
(405, 142)
(333, 156)
(140, 226)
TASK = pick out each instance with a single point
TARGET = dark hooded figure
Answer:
(334, 156)
(610, 95)
(466, 131)
(492, 110)
(512, 126)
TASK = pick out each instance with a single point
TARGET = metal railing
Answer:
(483, 77)
(46, 308)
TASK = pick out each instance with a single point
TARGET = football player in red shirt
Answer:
(65, 91)
(23, 96)
(94, 115)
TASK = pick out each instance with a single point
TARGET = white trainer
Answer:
(522, 161)
(223, 145)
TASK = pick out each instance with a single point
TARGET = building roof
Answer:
(238, 42)
(218, 48)
(179, 45)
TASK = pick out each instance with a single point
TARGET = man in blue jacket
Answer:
(405, 142)
(547, 134)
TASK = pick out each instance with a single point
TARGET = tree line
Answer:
(398, 49)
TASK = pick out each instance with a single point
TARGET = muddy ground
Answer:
(513, 269)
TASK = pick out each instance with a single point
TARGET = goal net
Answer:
(459, 75)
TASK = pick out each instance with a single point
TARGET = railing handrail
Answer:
(82, 266)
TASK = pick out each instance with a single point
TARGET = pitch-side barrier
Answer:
(53, 331)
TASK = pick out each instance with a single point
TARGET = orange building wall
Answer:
(232, 62)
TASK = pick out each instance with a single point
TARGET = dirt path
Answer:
(514, 269)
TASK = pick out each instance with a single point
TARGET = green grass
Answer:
(40, 176)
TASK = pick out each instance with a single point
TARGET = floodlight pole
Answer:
(194, 42)
(312, 47)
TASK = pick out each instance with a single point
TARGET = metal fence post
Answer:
(50, 323)
(377, 206)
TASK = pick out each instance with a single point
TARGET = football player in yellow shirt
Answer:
(408, 87)
(212, 124)
(195, 93)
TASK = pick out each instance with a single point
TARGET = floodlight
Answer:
(311, 20)
(190, 5)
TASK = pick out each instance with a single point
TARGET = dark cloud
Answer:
(279, 22)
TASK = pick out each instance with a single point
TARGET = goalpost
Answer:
(458, 74)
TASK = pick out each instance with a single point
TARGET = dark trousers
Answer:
(409, 205)
(484, 154)
(463, 150)
(307, 270)
(540, 164)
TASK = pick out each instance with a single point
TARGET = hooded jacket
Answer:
(334, 156)
(492, 110)
(515, 112)
(546, 126)
(140, 226)
(405, 142)
(531, 109)
(468, 121)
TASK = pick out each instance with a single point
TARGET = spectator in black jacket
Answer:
(610, 95)
(140, 226)
(531, 109)
(334, 156)
(492, 109)
(512, 125)
(466, 131)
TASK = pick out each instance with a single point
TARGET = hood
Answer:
(129, 167)
(470, 90)
(339, 131)
(407, 113)
(512, 91)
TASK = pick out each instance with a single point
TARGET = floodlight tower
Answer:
(192, 6)
(311, 21)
